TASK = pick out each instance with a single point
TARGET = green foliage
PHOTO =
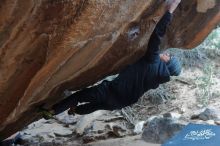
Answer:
(204, 84)
(211, 46)
(213, 40)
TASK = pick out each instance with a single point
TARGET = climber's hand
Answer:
(165, 57)
(172, 5)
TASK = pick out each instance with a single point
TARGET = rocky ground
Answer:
(192, 97)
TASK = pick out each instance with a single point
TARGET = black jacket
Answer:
(147, 73)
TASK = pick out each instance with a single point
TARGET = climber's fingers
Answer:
(172, 5)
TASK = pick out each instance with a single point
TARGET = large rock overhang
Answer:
(48, 46)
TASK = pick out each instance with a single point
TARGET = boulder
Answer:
(160, 129)
(209, 113)
(49, 46)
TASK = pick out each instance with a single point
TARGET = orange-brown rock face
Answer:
(48, 46)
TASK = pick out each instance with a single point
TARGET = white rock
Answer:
(138, 129)
(211, 122)
(66, 118)
(175, 115)
(86, 121)
(45, 130)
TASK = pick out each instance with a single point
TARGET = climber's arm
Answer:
(160, 30)
(155, 39)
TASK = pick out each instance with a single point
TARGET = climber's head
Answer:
(173, 64)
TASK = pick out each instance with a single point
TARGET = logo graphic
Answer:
(200, 135)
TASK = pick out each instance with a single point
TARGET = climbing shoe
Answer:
(46, 114)
(72, 111)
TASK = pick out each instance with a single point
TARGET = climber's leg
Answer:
(86, 108)
(91, 107)
(94, 95)
(85, 95)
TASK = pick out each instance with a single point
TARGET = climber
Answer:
(147, 73)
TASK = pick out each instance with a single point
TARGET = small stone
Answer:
(210, 122)
(139, 127)
(63, 134)
(217, 122)
(88, 139)
(118, 130)
(172, 115)
(182, 110)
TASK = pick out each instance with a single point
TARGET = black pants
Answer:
(99, 97)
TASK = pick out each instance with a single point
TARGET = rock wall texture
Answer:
(48, 46)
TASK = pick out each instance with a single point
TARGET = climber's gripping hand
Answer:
(172, 5)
